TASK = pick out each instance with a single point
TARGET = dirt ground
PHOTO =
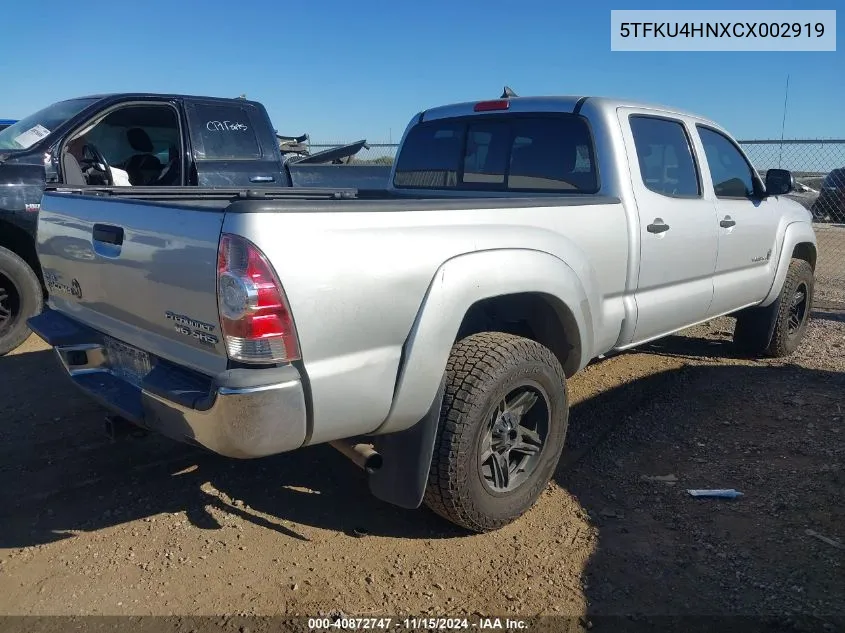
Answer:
(148, 526)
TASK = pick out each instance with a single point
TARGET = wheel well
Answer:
(21, 244)
(805, 251)
(537, 316)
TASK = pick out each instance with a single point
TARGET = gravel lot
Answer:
(153, 527)
(830, 268)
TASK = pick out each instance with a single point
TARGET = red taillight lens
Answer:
(488, 106)
(255, 316)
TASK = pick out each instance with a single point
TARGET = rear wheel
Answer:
(777, 330)
(502, 428)
(20, 298)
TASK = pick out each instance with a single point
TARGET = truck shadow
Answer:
(59, 473)
(681, 346)
(829, 314)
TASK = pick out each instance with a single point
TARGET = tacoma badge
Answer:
(192, 327)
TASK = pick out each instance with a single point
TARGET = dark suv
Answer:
(830, 205)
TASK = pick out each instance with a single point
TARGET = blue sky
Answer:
(361, 69)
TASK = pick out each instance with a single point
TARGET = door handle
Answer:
(658, 226)
(727, 222)
(108, 234)
(262, 179)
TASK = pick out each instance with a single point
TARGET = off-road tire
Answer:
(784, 342)
(766, 331)
(482, 369)
(29, 299)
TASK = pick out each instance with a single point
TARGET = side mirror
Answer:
(779, 182)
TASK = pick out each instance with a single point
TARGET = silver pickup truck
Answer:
(427, 331)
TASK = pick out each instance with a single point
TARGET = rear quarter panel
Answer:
(356, 280)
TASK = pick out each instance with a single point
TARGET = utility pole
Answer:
(783, 123)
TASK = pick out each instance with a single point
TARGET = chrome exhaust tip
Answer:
(362, 455)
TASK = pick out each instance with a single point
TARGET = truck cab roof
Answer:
(560, 103)
(115, 96)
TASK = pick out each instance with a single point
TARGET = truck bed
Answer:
(359, 176)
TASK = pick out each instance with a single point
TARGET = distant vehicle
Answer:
(428, 331)
(136, 140)
(830, 205)
(4, 123)
(295, 150)
(803, 194)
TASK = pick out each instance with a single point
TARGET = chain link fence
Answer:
(819, 169)
(372, 154)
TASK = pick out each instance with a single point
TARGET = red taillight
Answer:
(488, 106)
(255, 316)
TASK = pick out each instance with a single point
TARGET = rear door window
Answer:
(510, 153)
(666, 162)
(224, 132)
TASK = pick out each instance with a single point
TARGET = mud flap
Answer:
(764, 320)
(770, 315)
(407, 455)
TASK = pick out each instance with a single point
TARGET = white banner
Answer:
(671, 30)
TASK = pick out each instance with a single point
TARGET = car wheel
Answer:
(778, 329)
(794, 306)
(20, 298)
(502, 427)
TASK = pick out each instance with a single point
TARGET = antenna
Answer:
(783, 123)
(507, 93)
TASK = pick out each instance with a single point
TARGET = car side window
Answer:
(730, 172)
(665, 157)
(225, 133)
(140, 143)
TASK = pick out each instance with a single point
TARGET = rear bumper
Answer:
(242, 413)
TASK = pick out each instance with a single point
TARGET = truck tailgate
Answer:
(140, 272)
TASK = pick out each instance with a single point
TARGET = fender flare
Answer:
(458, 284)
(794, 234)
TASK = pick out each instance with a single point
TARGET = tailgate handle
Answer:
(262, 179)
(108, 234)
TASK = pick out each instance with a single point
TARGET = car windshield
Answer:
(27, 132)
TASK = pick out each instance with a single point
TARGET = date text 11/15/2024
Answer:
(356, 624)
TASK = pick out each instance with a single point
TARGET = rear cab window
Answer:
(223, 132)
(515, 152)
